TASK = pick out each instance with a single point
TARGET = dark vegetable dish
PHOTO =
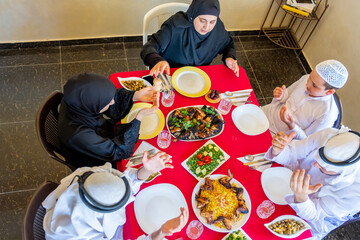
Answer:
(195, 123)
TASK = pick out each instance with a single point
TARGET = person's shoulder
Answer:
(178, 20)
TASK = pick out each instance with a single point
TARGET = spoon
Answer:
(250, 157)
(228, 93)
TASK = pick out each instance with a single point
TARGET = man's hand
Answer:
(171, 226)
(300, 185)
(154, 164)
(160, 67)
(176, 224)
(232, 64)
(145, 95)
(279, 142)
(279, 92)
(287, 117)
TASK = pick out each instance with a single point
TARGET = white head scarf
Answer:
(67, 216)
(333, 72)
(343, 188)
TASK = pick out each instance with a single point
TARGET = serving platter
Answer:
(198, 139)
(292, 217)
(191, 81)
(146, 83)
(221, 162)
(151, 125)
(241, 222)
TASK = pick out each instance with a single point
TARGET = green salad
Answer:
(237, 235)
(205, 160)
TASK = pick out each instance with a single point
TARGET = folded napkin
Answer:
(238, 96)
(144, 146)
(260, 169)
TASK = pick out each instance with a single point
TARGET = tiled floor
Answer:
(29, 74)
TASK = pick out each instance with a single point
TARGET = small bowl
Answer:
(211, 100)
(292, 217)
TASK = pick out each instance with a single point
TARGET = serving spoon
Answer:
(228, 93)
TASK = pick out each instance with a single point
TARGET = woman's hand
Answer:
(279, 92)
(287, 117)
(300, 185)
(145, 95)
(279, 142)
(154, 164)
(160, 67)
(232, 64)
(147, 111)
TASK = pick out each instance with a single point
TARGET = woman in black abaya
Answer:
(193, 38)
(87, 138)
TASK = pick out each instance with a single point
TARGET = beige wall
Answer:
(337, 37)
(41, 20)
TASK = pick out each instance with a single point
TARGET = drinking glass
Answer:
(167, 98)
(194, 229)
(265, 209)
(164, 139)
(225, 106)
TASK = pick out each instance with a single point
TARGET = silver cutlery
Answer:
(256, 162)
(228, 93)
(240, 103)
(263, 164)
(239, 96)
(140, 155)
(250, 157)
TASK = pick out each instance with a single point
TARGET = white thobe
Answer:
(310, 114)
(67, 217)
(333, 204)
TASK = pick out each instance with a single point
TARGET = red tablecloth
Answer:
(232, 141)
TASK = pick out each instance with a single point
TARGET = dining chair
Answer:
(337, 123)
(35, 212)
(47, 127)
(161, 12)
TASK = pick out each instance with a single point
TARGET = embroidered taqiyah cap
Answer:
(333, 72)
(104, 191)
(342, 149)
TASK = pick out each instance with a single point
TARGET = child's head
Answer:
(326, 78)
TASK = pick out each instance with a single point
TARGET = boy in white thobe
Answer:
(307, 106)
(72, 214)
(326, 177)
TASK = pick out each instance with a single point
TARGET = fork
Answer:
(255, 167)
(140, 155)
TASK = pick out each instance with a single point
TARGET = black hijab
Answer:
(187, 46)
(85, 95)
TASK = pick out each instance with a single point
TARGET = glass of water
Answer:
(225, 106)
(164, 139)
(167, 98)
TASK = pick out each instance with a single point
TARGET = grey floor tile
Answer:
(274, 68)
(136, 64)
(257, 43)
(238, 45)
(29, 56)
(217, 60)
(133, 49)
(92, 52)
(12, 211)
(105, 68)
(22, 90)
(24, 162)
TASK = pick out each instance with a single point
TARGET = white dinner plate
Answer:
(292, 217)
(276, 184)
(146, 83)
(156, 204)
(250, 119)
(191, 81)
(236, 225)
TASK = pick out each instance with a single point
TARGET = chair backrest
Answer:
(47, 127)
(158, 11)
(337, 123)
(35, 212)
